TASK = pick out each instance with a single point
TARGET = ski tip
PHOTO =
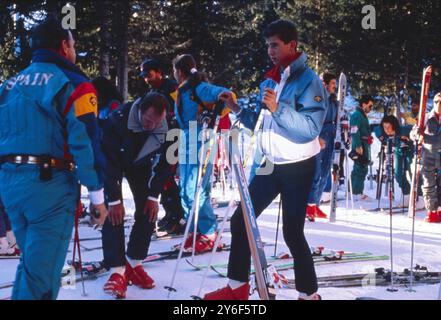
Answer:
(196, 297)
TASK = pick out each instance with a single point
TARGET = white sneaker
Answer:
(326, 197)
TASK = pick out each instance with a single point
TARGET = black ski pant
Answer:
(171, 200)
(293, 182)
(113, 236)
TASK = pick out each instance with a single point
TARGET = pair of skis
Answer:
(339, 148)
(380, 277)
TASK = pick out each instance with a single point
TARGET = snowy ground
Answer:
(355, 230)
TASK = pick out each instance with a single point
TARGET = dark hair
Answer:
(151, 64)
(185, 63)
(393, 121)
(327, 77)
(285, 30)
(49, 34)
(365, 99)
(106, 91)
(154, 100)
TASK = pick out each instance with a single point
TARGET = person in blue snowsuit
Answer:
(294, 109)
(324, 158)
(49, 141)
(195, 96)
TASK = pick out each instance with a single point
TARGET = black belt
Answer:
(43, 161)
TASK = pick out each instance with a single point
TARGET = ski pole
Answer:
(390, 192)
(371, 182)
(198, 191)
(412, 208)
(205, 166)
(216, 244)
(78, 248)
(380, 177)
(277, 230)
(346, 181)
(199, 186)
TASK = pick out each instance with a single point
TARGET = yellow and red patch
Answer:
(83, 100)
(86, 104)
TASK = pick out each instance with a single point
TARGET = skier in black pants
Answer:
(134, 146)
(152, 71)
(294, 109)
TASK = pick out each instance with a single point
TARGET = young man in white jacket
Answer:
(293, 103)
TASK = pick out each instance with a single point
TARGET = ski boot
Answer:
(188, 243)
(116, 286)
(138, 277)
(433, 217)
(206, 243)
(226, 293)
(171, 225)
(319, 213)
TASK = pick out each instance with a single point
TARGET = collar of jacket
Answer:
(134, 121)
(362, 112)
(49, 56)
(298, 62)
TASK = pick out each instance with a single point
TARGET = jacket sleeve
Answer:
(160, 172)
(354, 124)
(83, 137)
(378, 132)
(112, 147)
(304, 124)
(432, 132)
(249, 117)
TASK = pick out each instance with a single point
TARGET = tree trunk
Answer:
(122, 23)
(53, 8)
(105, 22)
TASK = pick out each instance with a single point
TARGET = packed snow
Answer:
(356, 230)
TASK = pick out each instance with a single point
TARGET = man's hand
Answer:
(359, 150)
(151, 209)
(101, 210)
(322, 143)
(269, 99)
(228, 98)
(116, 214)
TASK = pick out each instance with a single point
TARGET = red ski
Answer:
(427, 73)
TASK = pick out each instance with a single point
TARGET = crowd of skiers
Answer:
(79, 131)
